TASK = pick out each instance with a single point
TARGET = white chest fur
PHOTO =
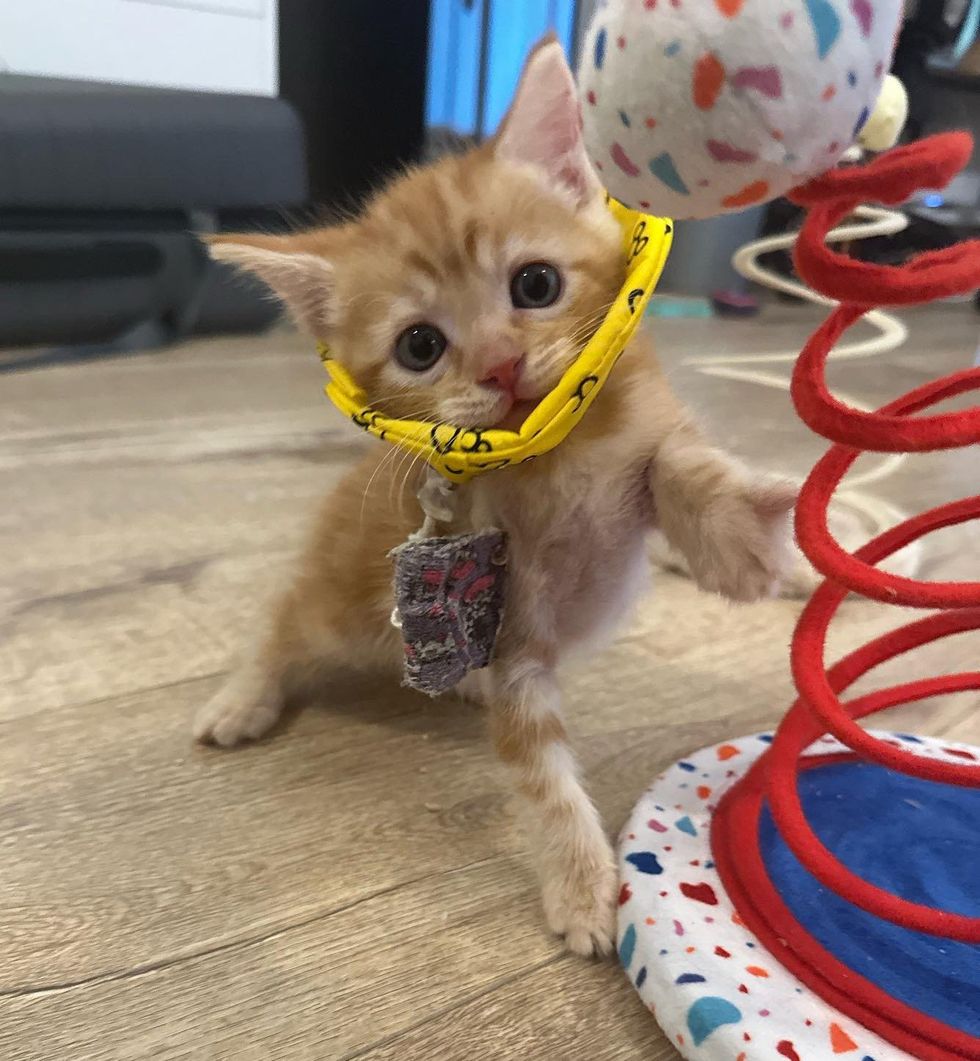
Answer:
(577, 532)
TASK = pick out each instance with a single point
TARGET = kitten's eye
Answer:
(420, 347)
(535, 286)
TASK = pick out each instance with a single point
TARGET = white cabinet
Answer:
(213, 45)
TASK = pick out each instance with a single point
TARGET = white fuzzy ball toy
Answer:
(694, 108)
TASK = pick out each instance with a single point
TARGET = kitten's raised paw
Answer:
(746, 544)
(231, 718)
(581, 906)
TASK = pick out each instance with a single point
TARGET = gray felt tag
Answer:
(449, 595)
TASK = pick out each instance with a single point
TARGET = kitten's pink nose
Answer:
(504, 375)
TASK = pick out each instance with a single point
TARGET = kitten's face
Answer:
(467, 288)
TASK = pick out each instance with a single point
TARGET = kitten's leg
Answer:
(335, 616)
(282, 662)
(574, 859)
(252, 699)
(246, 707)
(731, 526)
(300, 653)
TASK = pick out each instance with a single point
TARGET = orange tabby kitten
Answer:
(463, 294)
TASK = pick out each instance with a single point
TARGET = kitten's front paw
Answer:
(235, 715)
(746, 540)
(581, 906)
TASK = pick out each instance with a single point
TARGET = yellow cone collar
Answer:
(460, 453)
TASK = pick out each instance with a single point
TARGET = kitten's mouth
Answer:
(515, 416)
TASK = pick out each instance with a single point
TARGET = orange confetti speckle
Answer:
(650, 123)
(840, 1041)
(728, 751)
(756, 970)
(751, 193)
(690, 950)
(729, 8)
(651, 920)
(828, 93)
(709, 76)
(704, 791)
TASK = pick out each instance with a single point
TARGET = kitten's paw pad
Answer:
(228, 719)
(582, 908)
(747, 540)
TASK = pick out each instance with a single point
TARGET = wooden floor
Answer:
(355, 886)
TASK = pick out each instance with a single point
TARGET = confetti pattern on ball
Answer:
(694, 108)
(713, 988)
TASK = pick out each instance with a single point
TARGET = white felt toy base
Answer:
(714, 989)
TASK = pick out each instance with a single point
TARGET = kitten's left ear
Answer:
(293, 266)
(543, 126)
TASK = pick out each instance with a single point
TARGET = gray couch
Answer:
(101, 188)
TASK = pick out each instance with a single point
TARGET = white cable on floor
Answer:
(892, 333)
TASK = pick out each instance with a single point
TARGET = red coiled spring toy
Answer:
(772, 786)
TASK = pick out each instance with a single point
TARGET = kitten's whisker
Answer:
(416, 456)
(392, 452)
(377, 399)
(405, 455)
(411, 468)
(585, 327)
(600, 311)
(385, 459)
(403, 390)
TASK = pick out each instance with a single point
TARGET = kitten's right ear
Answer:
(303, 279)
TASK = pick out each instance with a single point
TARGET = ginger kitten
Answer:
(462, 294)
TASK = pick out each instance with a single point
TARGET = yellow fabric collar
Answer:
(460, 453)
